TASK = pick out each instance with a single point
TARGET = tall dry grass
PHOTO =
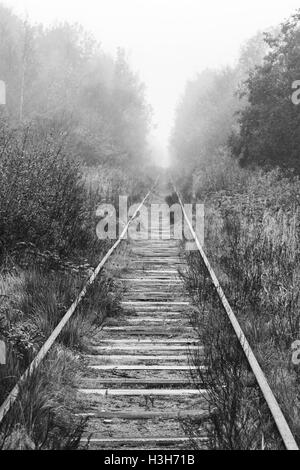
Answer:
(252, 240)
(32, 304)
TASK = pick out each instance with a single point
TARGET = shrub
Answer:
(42, 196)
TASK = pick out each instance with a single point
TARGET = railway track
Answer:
(141, 377)
(137, 384)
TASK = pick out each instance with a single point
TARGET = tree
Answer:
(269, 125)
(129, 112)
(204, 116)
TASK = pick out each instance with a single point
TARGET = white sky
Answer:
(168, 41)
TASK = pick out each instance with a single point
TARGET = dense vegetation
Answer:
(252, 240)
(269, 125)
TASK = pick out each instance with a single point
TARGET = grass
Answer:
(239, 418)
(43, 416)
(33, 302)
(252, 241)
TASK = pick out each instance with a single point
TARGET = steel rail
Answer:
(278, 416)
(13, 395)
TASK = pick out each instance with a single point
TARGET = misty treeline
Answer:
(60, 74)
(72, 135)
(247, 107)
(236, 142)
(207, 113)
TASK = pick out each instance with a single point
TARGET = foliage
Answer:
(42, 198)
(269, 125)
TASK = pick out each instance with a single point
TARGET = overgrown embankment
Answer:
(252, 241)
(49, 248)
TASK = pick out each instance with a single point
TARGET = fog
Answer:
(149, 222)
(167, 41)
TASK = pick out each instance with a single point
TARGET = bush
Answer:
(42, 196)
